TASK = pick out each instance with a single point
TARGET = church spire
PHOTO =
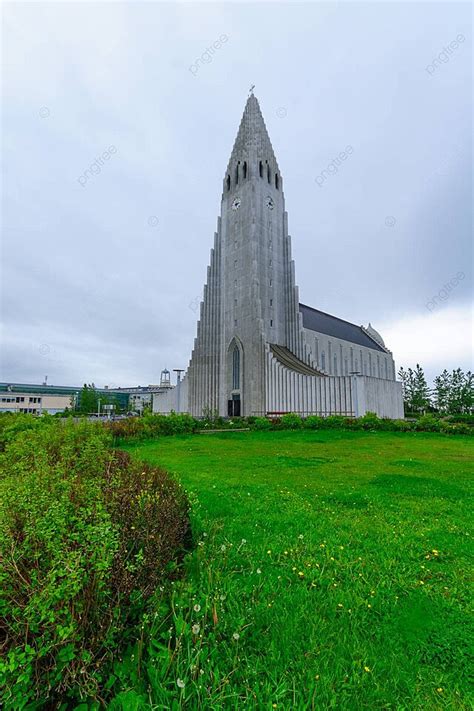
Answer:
(252, 145)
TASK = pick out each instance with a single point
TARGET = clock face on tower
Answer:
(236, 204)
(269, 203)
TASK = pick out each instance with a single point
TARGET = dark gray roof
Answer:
(332, 326)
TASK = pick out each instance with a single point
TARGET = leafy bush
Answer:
(261, 423)
(313, 422)
(86, 536)
(291, 421)
(401, 425)
(149, 426)
(454, 429)
(428, 423)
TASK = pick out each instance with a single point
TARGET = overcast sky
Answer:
(102, 276)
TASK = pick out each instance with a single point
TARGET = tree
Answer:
(88, 399)
(421, 393)
(442, 389)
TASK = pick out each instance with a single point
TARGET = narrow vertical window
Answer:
(228, 182)
(237, 174)
(269, 174)
(236, 368)
(277, 182)
(245, 169)
(260, 169)
(323, 360)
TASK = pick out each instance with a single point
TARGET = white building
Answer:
(258, 350)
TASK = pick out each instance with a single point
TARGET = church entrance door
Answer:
(233, 406)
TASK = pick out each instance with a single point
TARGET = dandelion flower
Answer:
(180, 683)
(440, 689)
(196, 629)
(301, 574)
(339, 604)
(236, 636)
(367, 669)
(197, 608)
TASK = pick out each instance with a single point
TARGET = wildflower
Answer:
(286, 552)
(321, 545)
(243, 541)
(258, 571)
(367, 669)
(435, 552)
(236, 636)
(197, 608)
(196, 629)
(301, 574)
(180, 683)
(339, 604)
(369, 605)
(269, 552)
(317, 677)
(223, 548)
(440, 689)
(300, 536)
(201, 671)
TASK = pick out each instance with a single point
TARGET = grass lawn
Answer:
(331, 572)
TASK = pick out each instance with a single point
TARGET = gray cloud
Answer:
(87, 273)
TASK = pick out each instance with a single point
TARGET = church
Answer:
(258, 350)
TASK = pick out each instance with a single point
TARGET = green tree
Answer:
(421, 393)
(88, 399)
(442, 389)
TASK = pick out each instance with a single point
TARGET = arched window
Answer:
(245, 169)
(236, 368)
(260, 169)
(228, 182)
(277, 182)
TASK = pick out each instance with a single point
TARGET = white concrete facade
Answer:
(257, 349)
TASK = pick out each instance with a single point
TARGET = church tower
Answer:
(258, 351)
(250, 299)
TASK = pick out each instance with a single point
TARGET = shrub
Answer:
(261, 423)
(401, 425)
(313, 422)
(86, 535)
(427, 423)
(291, 421)
(334, 422)
(454, 429)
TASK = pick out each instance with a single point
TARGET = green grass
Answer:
(339, 559)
